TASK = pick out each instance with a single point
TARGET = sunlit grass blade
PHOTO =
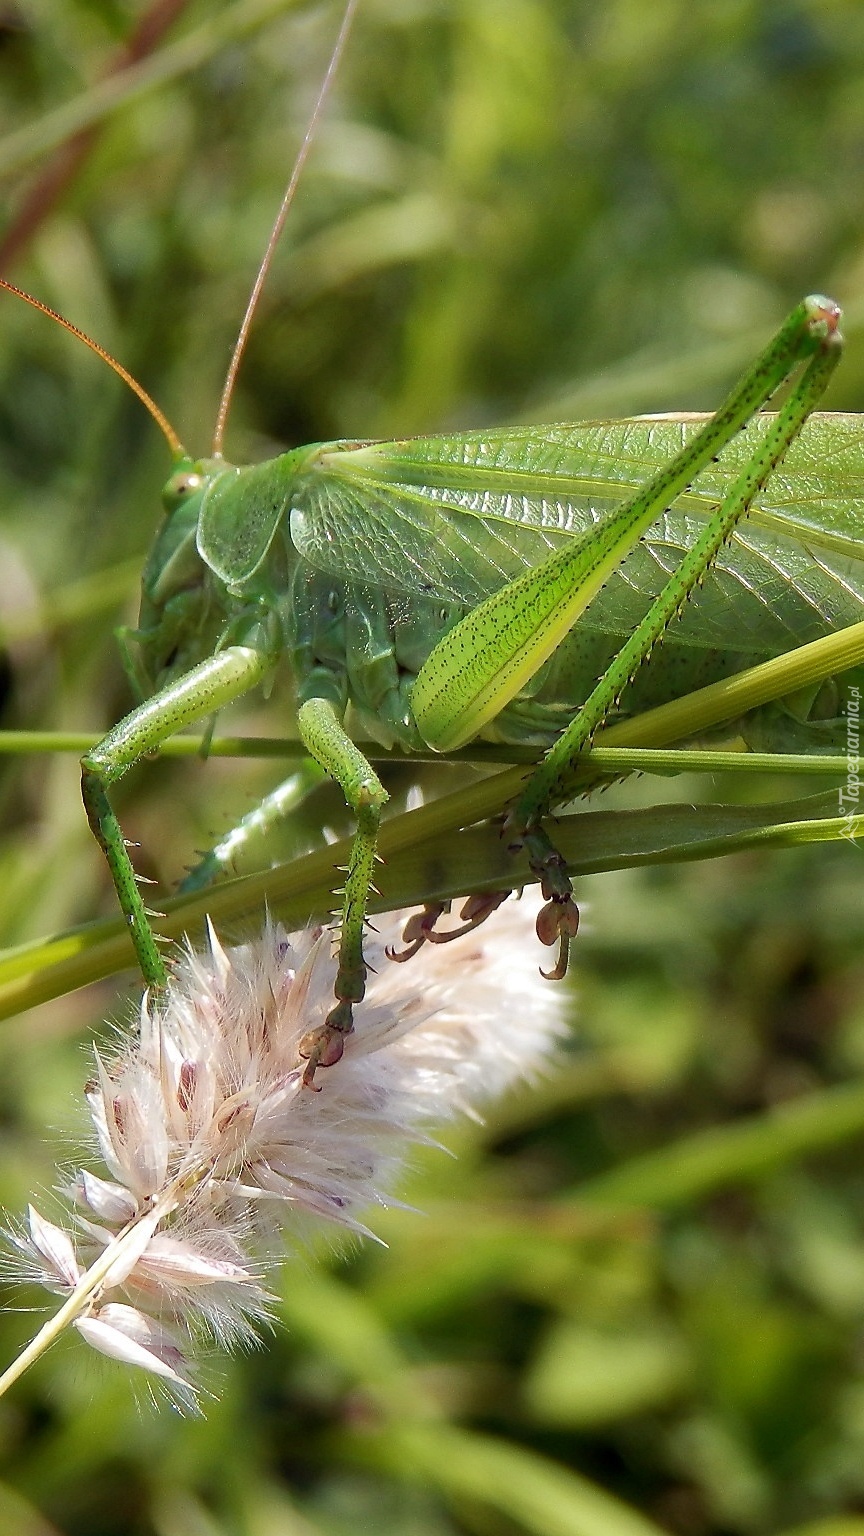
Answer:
(427, 857)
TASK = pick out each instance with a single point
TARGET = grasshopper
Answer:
(431, 592)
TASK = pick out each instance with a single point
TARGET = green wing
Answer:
(456, 517)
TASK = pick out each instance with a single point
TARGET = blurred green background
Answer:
(635, 1301)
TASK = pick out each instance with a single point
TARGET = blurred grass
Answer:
(636, 1301)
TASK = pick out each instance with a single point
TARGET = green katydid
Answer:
(251, 563)
(434, 585)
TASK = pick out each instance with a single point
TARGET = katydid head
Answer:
(184, 601)
(184, 597)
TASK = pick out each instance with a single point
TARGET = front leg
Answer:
(199, 693)
(325, 738)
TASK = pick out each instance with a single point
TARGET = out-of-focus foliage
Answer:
(636, 1300)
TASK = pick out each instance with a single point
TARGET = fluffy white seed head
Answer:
(214, 1147)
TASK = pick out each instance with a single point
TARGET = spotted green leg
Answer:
(483, 662)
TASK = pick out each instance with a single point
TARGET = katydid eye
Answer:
(179, 487)
(184, 484)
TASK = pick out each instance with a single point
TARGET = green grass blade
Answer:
(427, 857)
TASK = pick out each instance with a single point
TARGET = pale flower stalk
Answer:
(215, 1150)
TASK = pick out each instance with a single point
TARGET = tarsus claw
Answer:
(420, 927)
(559, 969)
(324, 1046)
(558, 922)
(417, 930)
(474, 912)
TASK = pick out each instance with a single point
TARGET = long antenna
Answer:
(288, 198)
(160, 419)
